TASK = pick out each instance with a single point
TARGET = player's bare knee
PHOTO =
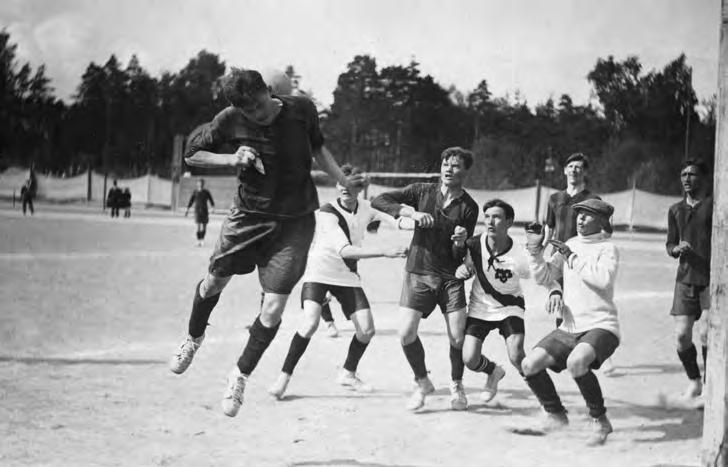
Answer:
(308, 328)
(683, 339)
(212, 285)
(577, 366)
(365, 335)
(407, 336)
(528, 366)
(472, 360)
(457, 341)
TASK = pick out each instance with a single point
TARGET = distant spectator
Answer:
(26, 195)
(113, 200)
(126, 202)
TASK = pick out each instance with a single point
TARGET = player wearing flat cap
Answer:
(271, 140)
(689, 224)
(589, 332)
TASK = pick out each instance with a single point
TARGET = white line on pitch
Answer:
(85, 255)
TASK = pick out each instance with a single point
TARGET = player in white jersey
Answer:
(496, 297)
(332, 267)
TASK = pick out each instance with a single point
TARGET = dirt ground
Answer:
(93, 307)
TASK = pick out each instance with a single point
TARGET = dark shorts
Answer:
(278, 247)
(559, 344)
(351, 298)
(422, 292)
(201, 218)
(690, 300)
(480, 328)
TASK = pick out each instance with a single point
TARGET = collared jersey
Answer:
(325, 264)
(432, 251)
(286, 149)
(496, 293)
(560, 214)
(693, 224)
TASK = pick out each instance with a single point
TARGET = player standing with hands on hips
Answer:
(271, 140)
(445, 217)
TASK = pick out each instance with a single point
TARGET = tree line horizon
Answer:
(122, 121)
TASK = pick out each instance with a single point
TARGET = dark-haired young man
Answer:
(332, 268)
(496, 297)
(200, 197)
(689, 226)
(271, 140)
(445, 217)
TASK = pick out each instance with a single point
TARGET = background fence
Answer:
(632, 208)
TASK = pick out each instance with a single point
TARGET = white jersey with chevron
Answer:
(504, 273)
(325, 264)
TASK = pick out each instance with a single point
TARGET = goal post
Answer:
(715, 422)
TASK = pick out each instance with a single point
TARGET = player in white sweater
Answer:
(589, 333)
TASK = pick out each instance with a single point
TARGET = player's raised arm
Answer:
(403, 203)
(328, 164)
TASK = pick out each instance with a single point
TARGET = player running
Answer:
(589, 332)
(271, 140)
(445, 215)
(689, 224)
(332, 267)
(496, 297)
(199, 198)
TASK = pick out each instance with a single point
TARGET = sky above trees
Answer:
(540, 48)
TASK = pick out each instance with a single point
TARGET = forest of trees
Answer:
(122, 121)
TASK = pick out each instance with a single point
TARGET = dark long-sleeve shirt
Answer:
(432, 251)
(560, 214)
(285, 147)
(692, 224)
(199, 199)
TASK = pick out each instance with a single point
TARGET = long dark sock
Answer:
(543, 388)
(201, 309)
(689, 359)
(592, 393)
(259, 340)
(295, 351)
(457, 366)
(705, 362)
(356, 350)
(484, 366)
(203, 232)
(415, 354)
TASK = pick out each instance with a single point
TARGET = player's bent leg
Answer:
(538, 380)
(207, 294)
(297, 347)
(688, 354)
(514, 347)
(364, 332)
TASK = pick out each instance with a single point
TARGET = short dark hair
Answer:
(457, 151)
(241, 86)
(701, 165)
(348, 169)
(499, 203)
(578, 156)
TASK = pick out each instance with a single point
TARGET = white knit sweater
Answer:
(589, 275)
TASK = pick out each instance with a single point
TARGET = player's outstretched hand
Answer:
(534, 238)
(463, 272)
(459, 236)
(397, 252)
(555, 304)
(357, 181)
(561, 247)
(423, 219)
